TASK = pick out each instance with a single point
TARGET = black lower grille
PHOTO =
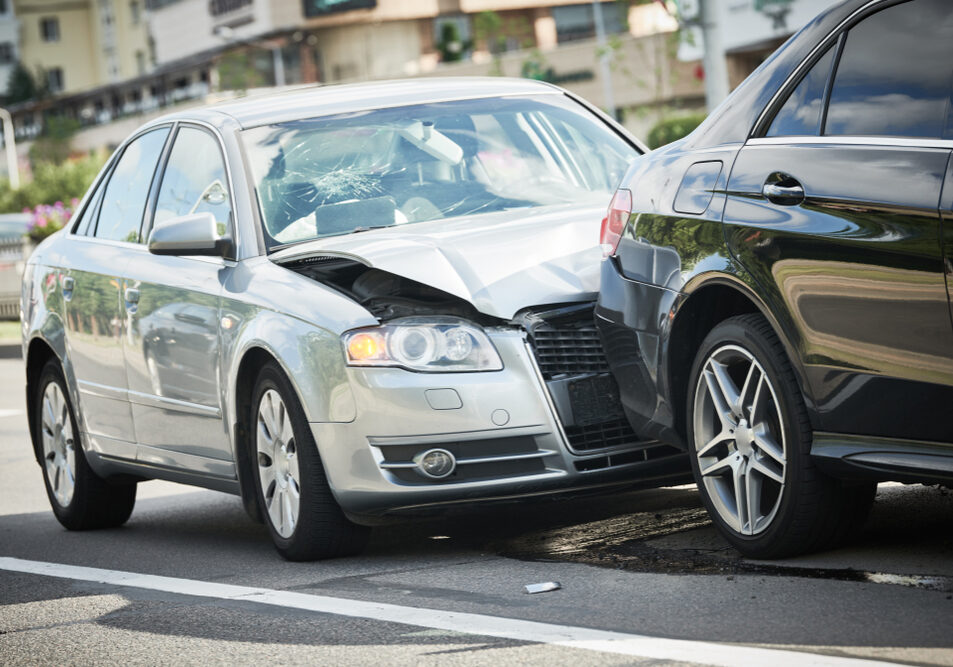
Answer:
(571, 359)
(615, 433)
(509, 464)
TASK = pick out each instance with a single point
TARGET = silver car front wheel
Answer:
(302, 515)
(278, 471)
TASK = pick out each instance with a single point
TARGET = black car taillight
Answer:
(612, 225)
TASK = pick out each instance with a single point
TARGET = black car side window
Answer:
(801, 114)
(124, 200)
(895, 76)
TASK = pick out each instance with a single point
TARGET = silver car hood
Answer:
(500, 262)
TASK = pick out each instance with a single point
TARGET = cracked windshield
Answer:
(355, 172)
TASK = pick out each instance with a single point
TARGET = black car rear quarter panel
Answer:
(662, 250)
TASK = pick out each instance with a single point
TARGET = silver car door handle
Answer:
(132, 295)
(68, 284)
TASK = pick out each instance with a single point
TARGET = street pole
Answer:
(716, 69)
(9, 142)
(605, 71)
(279, 64)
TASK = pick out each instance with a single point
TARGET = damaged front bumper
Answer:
(525, 430)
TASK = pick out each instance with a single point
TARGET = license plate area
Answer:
(586, 400)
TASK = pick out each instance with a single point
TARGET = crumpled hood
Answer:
(500, 262)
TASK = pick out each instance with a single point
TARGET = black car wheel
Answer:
(303, 518)
(81, 500)
(750, 440)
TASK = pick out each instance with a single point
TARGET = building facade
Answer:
(79, 45)
(118, 59)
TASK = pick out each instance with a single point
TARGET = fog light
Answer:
(436, 463)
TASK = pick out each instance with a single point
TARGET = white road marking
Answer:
(641, 646)
(10, 413)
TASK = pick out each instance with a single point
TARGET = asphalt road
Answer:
(644, 565)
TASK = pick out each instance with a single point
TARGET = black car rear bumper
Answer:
(633, 322)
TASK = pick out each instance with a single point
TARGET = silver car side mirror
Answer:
(192, 234)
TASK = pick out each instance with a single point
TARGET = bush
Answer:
(51, 183)
(48, 220)
(672, 129)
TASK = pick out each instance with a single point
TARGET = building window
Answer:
(576, 22)
(134, 11)
(140, 62)
(3, 6)
(50, 29)
(7, 54)
(54, 79)
(218, 7)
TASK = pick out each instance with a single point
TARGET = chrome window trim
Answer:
(851, 140)
(807, 62)
(217, 135)
(105, 172)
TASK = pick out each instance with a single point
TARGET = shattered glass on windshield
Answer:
(354, 172)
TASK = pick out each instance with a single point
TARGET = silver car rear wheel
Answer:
(80, 498)
(278, 472)
(59, 447)
(739, 439)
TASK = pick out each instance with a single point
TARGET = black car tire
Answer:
(810, 510)
(94, 502)
(321, 529)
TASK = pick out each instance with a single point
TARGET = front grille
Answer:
(569, 350)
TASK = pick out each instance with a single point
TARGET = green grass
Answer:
(9, 330)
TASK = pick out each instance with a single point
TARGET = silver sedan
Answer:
(341, 304)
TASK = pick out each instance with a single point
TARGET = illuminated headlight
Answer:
(423, 344)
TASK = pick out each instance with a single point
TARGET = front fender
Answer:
(310, 356)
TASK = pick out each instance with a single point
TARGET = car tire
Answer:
(81, 500)
(749, 439)
(304, 520)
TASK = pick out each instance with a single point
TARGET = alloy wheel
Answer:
(59, 447)
(278, 471)
(739, 439)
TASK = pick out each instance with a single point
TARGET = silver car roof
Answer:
(315, 101)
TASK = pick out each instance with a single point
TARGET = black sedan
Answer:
(775, 298)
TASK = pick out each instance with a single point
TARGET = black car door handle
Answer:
(785, 191)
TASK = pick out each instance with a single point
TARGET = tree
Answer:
(54, 145)
(21, 85)
(451, 46)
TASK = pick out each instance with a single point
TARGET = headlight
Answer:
(431, 344)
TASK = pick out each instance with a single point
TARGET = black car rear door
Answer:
(834, 210)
